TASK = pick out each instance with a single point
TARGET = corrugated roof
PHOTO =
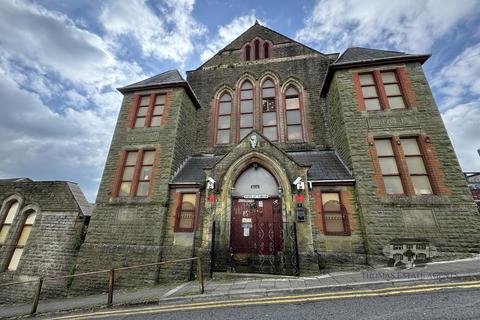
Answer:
(325, 166)
(171, 76)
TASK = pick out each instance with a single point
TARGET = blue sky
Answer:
(60, 62)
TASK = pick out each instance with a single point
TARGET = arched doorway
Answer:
(256, 217)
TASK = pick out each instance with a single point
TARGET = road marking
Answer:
(279, 300)
(169, 293)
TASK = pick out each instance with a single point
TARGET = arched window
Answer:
(294, 116)
(6, 224)
(247, 52)
(256, 45)
(22, 241)
(224, 117)
(266, 51)
(246, 108)
(269, 110)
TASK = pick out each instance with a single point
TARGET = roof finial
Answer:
(256, 21)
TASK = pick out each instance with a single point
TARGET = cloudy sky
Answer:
(60, 62)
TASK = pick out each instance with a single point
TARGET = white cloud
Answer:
(460, 79)
(409, 25)
(462, 123)
(227, 34)
(168, 35)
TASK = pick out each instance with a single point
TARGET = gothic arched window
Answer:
(247, 52)
(21, 241)
(256, 45)
(246, 108)
(6, 224)
(269, 110)
(266, 51)
(293, 114)
(224, 119)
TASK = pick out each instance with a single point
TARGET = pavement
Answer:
(231, 286)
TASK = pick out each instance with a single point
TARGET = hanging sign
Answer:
(211, 198)
(256, 196)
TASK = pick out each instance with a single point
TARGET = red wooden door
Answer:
(256, 226)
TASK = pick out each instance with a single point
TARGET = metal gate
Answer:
(271, 246)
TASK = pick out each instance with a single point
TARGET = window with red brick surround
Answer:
(382, 90)
(266, 51)
(269, 110)
(334, 214)
(246, 108)
(293, 112)
(149, 110)
(403, 166)
(135, 173)
(186, 213)
(224, 119)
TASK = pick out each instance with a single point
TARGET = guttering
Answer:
(339, 182)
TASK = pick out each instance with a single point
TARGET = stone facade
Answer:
(62, 215)
(334, 158)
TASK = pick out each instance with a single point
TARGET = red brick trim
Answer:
(377, 176)
(155, 171)
(408, 188)
(406, 88)
(148, 119)
(382, 95)
(344, 213)
(357, 88)
(136, 174)
(122, 156)
(178, 206)
(436, 176)
(166, 108)
(133, 111)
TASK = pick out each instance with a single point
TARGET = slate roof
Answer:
(357, 54)
(16, 180)
(85, 206)
(192, 169)
(168, 77)
(325, 166)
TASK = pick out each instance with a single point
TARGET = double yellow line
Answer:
(278, 300)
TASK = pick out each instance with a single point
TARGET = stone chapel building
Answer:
(274, 157)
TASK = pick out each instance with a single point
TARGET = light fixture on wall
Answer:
(427, 139)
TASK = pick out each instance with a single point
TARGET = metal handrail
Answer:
(111, 278)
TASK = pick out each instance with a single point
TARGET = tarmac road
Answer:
(441, 301)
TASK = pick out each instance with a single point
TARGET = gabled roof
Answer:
(325, 166)
(266, 33)
(357, 54)
(16, 180)
(167, 79)
(359, 57)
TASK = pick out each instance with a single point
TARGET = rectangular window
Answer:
(334, 216)
(416, 166)
(381, 90)
(392, 90)
(369, 91)
(389, 167)
(186, 211)
(150, 112)
(137, 173)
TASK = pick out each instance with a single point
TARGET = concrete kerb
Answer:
(268, 292)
